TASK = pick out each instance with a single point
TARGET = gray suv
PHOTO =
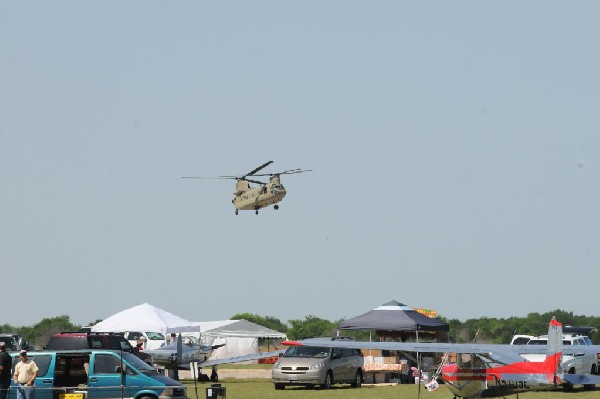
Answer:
(312, 366)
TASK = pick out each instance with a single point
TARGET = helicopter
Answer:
(247, 197)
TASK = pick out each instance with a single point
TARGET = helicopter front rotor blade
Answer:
(212, 178)
(259, 168)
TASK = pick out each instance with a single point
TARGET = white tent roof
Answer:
(145, 317)
(237, 328)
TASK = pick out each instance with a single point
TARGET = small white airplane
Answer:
(188, 350)
(183, 352)
(491, 370)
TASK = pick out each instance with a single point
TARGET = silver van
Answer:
(312, 366)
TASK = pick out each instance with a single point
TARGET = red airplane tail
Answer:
(555, 347)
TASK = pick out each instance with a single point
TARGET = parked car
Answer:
(312, 366)
(10, 342)
(153, 340)
(98, 374)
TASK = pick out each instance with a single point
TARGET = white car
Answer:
(153, 340)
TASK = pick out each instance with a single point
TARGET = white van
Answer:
(153, 339)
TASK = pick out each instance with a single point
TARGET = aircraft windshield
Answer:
(306, 351)
(155, 336)
(190, 341)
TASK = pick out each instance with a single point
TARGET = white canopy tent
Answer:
(145, 317)
(239, 336)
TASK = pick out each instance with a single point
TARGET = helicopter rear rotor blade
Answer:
(286, 172)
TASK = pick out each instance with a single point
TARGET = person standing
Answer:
(25, 372)
(139, 346)
(5, 366)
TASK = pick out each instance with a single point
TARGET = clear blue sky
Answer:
(454, 148)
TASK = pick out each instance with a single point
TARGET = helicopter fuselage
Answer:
(248, 198)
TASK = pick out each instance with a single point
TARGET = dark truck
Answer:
(90, 340)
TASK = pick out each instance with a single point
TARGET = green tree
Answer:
(311, 326)
(39, 334)
(265, 321)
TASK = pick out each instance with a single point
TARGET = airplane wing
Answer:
(422, 347)
(580, 379)
(498, 352)
(504, 354)
(242, 358)
(567, 349)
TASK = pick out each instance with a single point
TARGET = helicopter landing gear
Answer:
(276, 207)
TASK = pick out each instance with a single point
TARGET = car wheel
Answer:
(357, 380)
(279, 386)
(328, 380)
(567, 386)
(591, 387)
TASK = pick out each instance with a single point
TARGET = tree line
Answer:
(485, 329)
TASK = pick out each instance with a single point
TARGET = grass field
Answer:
(263, 389)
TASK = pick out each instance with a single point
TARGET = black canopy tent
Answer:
(394, 319)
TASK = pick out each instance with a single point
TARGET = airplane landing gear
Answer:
(276, 207)
(236, 211)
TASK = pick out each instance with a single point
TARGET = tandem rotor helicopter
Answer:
(249, 198)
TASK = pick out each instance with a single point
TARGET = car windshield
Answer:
(306, 351)
(142, 366)
(10, 343)
(537, 342)
(155, 336)
(545, 342)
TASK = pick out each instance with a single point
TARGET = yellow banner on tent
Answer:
(426, 312)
